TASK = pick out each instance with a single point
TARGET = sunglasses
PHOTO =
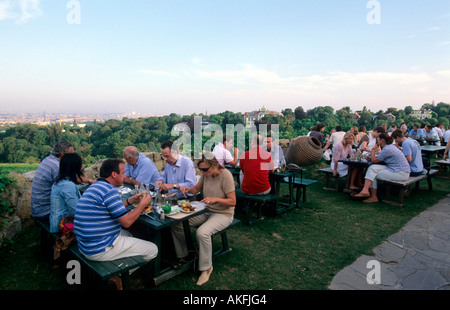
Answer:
(204, 169)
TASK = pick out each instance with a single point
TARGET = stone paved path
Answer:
(415, 258)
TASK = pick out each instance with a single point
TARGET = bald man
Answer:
(139, 168)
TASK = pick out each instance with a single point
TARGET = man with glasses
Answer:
(179, 171)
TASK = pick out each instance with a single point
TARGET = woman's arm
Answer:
(230, 201)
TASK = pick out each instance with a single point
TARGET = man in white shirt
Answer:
(431, 135)
(223, 155)
(275, 150)
(335, 138)
(447, 136)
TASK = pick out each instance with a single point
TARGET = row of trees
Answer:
(30, 143)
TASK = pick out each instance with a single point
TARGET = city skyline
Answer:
(162, 57)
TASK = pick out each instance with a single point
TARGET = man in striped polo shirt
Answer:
(101, 214)
(44, 178)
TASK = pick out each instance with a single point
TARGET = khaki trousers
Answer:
(126, 246)
(207, 225)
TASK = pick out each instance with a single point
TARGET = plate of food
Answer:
(187, 207)
(148, 209)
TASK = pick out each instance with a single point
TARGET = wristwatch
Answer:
(175, 186)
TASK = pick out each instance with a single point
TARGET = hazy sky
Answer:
(187, 56)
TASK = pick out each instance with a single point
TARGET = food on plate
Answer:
(148, 209)
(187, 207)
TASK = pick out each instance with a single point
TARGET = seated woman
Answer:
(65, 193)
(218, 188)
(341, 152)
(396, 167)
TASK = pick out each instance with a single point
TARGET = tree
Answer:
(299, 113)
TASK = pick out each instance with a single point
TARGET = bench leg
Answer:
(225, 246)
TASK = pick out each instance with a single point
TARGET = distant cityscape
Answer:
(44, 119)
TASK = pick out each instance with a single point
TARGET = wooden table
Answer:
(442, 164)
(352, 164)
(153, 228)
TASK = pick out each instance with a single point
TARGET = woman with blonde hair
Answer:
(217, 184)
(340, 152)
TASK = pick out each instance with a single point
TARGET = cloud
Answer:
(445, 73)
(20, 10)
(253, 76)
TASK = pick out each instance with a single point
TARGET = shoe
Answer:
(204, 277)
(115, 283)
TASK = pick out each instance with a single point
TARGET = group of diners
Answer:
(393, 156)
(101, 217)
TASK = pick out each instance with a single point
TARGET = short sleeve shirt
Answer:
(96, 217)
(222, 155)
(220, 187)
(412, 147)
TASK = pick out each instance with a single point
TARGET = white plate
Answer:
(175, 210)
(198, 205)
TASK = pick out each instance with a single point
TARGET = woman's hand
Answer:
(209, 200)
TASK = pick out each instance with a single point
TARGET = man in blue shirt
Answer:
(100, 215)
(179, 171)
(139, 168)
(44, 178)
(411, 149)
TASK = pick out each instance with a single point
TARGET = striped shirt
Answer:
(96, 217)
(41, 188)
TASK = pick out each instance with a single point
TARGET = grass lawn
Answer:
(301, 249)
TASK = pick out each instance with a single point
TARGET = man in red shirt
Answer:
(256, 165)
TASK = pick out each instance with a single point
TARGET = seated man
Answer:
(369, 141)
(139, 168)
(414, 133)
(335, 138)
(431, 135)
(179, 171)
(275, 151)
(411, 149)
(255, 167)
(44, 178)
(223, 155)
(100, 215)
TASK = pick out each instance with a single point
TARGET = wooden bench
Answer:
(108, 269)
(250, 201)
(442, 165)
(329, 173)
(223, 235)
(300, 184)
(404, 188)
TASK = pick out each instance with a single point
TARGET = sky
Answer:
(210, 56)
